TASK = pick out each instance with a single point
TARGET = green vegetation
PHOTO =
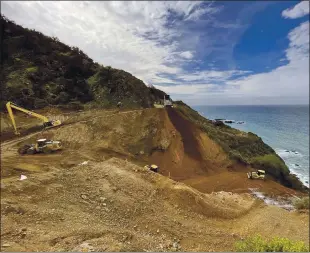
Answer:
(238, 145)
(65, 54)
(38, 70)
(302, 203)
(276, 244)
(31, 69)
(272, 164)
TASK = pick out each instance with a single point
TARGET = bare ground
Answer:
(113, 204)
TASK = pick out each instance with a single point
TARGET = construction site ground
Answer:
(95, 195)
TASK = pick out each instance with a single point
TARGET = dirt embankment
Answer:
(186, 156)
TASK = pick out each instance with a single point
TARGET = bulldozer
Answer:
(258, 174)
(41, 146)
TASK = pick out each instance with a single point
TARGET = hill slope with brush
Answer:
(38, 71)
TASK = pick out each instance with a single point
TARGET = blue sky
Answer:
(244, 52)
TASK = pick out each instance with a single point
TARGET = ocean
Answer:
(283, 127)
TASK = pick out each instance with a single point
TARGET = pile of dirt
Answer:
(117, 206)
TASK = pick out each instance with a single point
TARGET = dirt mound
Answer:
(118, 206)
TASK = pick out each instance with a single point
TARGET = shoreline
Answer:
(279, 151)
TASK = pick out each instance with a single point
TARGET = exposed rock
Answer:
(84, 196)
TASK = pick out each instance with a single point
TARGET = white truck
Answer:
(167, 101)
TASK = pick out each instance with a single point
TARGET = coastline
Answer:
(293, 153)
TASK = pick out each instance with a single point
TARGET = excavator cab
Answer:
(51, 123)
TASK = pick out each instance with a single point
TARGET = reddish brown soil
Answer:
(188, 134)
(193, 158)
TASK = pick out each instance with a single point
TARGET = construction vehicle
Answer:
(167, 101)
(42, 146)
(46, 122)
(258, 174)
(152, 167)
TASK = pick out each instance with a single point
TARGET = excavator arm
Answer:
(46, 121)
(11, 115)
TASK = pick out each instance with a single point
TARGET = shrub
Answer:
(31, 69)
(293, 181)
(272, 164)
(40, 103)
(302, 203)
(75, 105)
(276, 244)
(63, 97)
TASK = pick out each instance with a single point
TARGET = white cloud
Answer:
(291, 79)
(210, 75)
(285, 84)
(187, 55)
(299, 10)
(128, 35)
(134, 36)
(182, 89)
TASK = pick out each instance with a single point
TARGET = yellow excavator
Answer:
(46, 122)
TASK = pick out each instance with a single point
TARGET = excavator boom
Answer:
(46, 121)
(11, 115)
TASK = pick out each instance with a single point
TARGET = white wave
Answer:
(289, 156)
(300, 173)
(270, 201)
(283, 153)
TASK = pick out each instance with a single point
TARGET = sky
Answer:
(201, 52)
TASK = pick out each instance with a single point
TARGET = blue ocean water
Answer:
(283, 127)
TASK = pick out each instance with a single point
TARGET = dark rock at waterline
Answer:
(296, 164)
(307, 182)
(217, 123)
(287, 151)
(229, 121)
(219, 119)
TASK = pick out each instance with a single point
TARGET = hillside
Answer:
(38, 71)
(247, 149)
(96, 195)
(41, 72)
